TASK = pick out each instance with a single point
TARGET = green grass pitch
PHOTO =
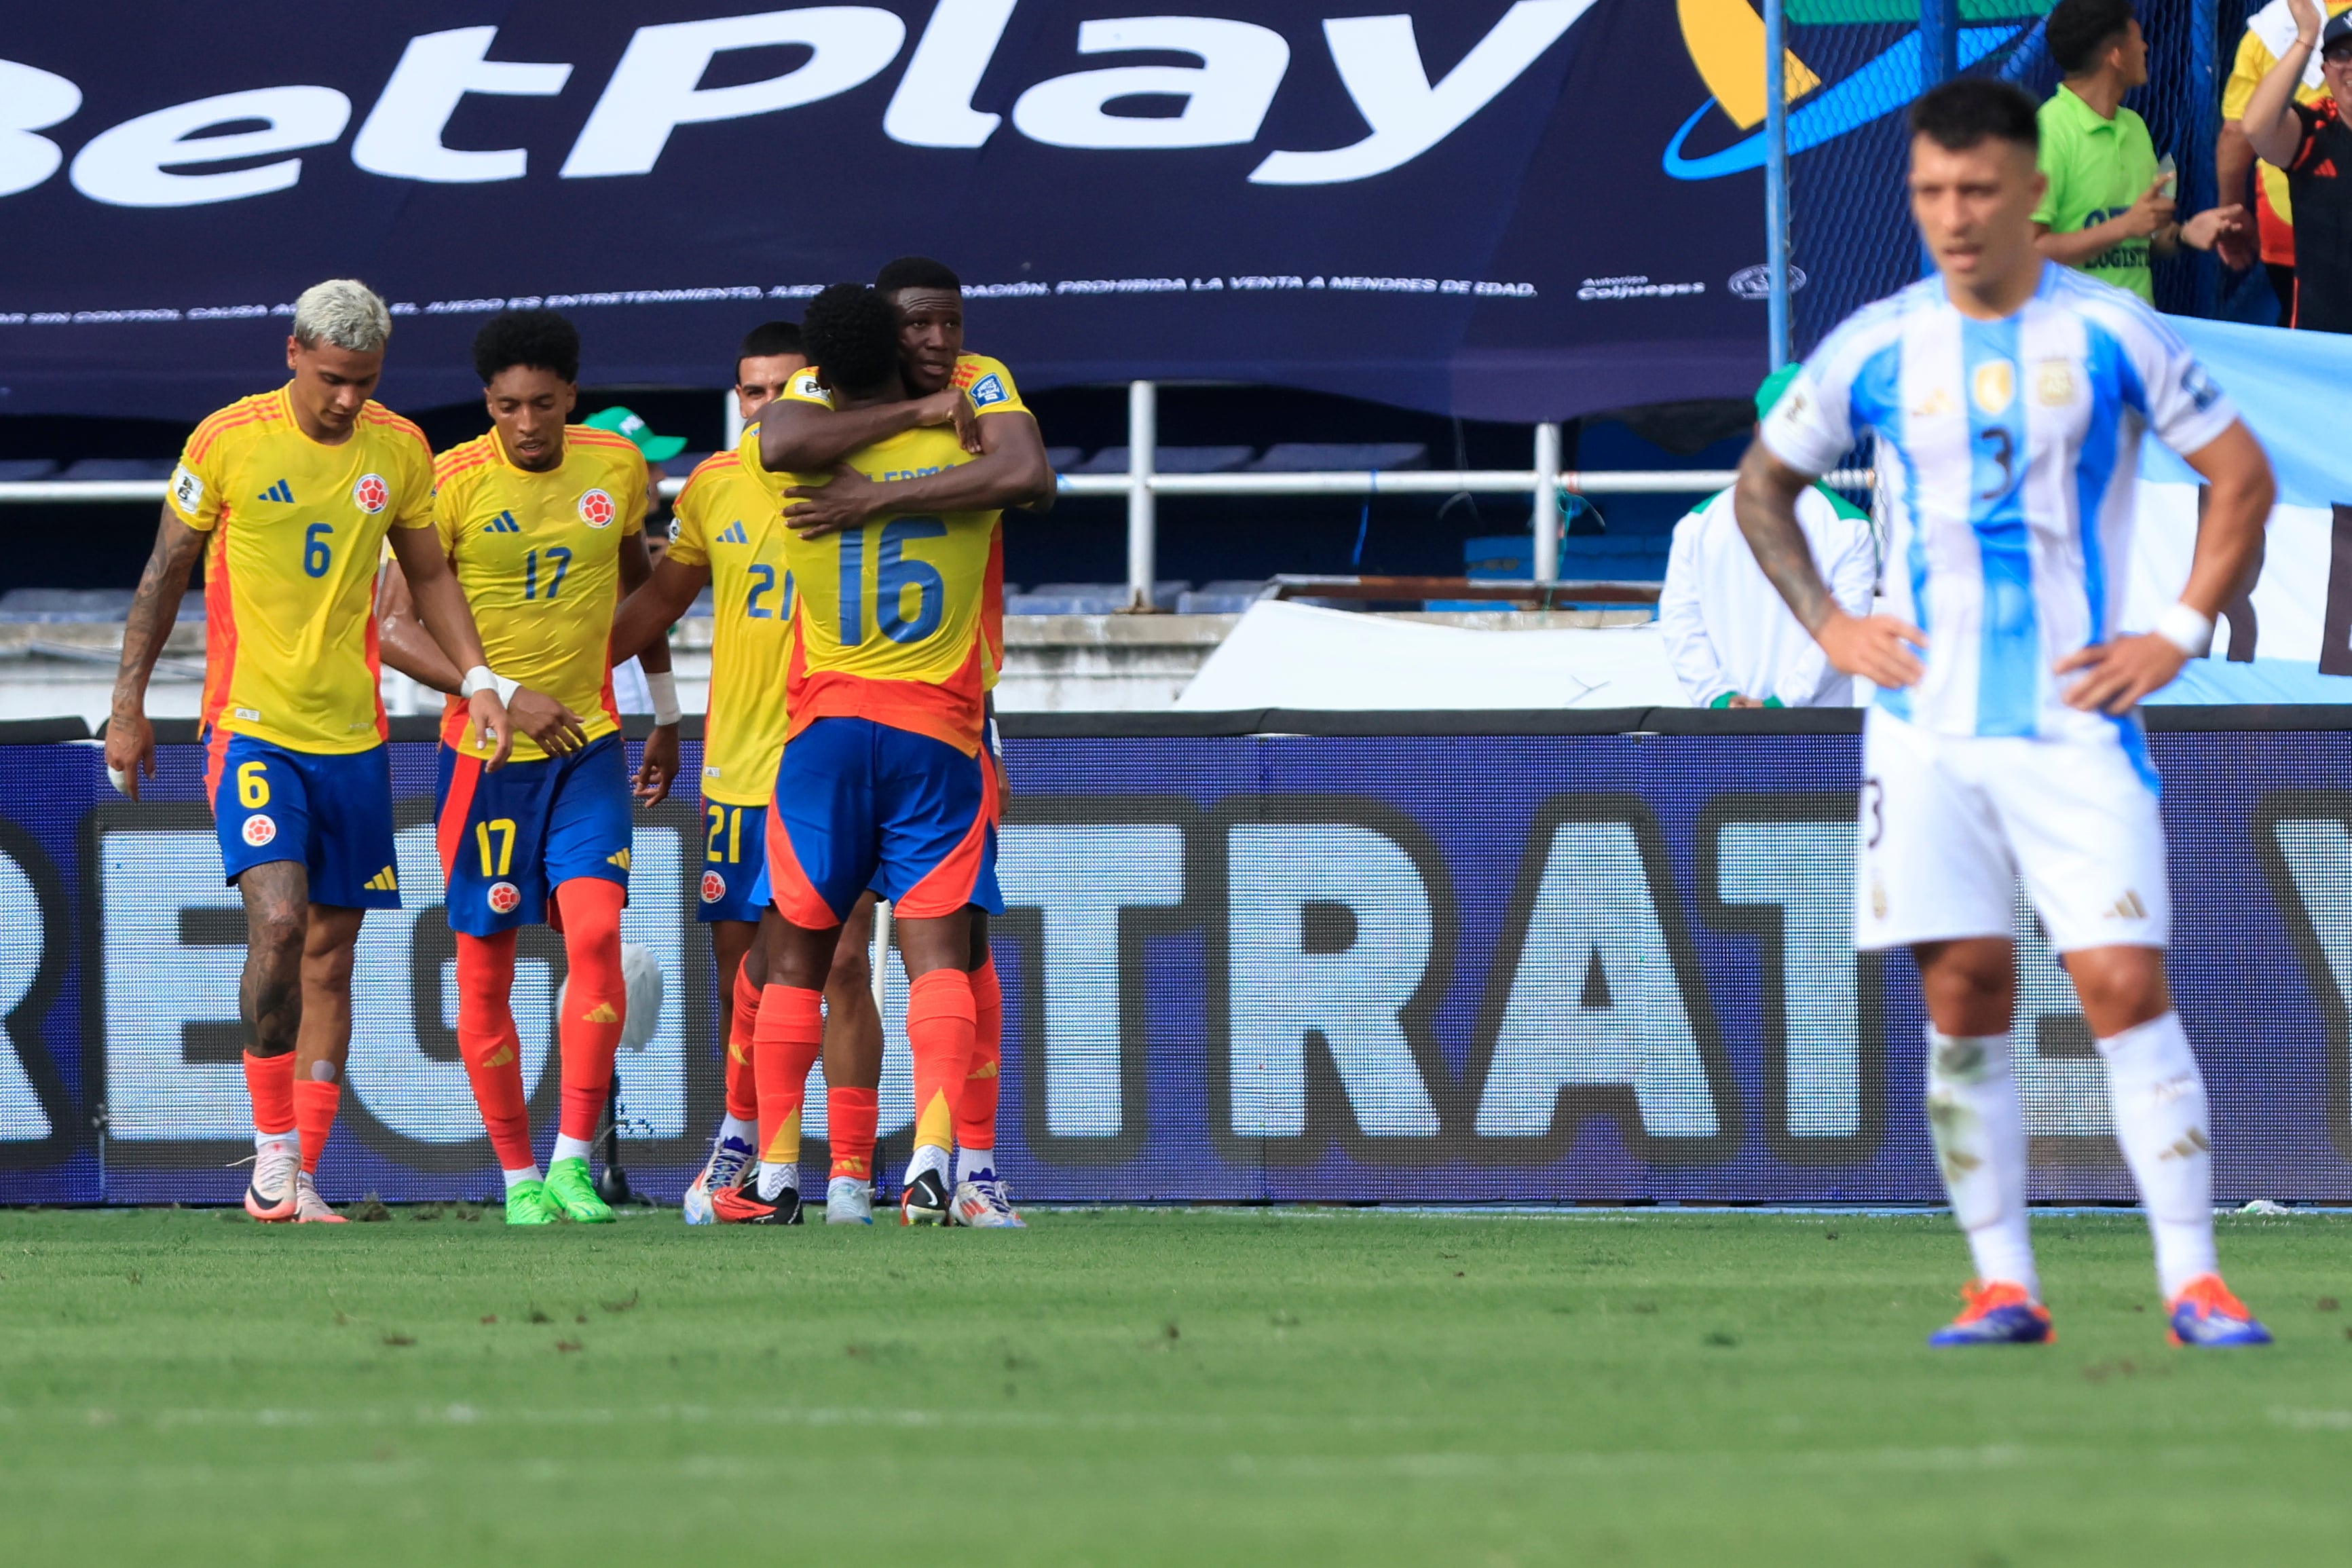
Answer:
(1137, 1387)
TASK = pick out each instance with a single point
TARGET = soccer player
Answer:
(730, 538)
(295, 492)
(2008, 395)
(882, 780)
(544, 522)
(992, 423)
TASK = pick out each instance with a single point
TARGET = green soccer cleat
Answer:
(574, 1192)
(530, 1204)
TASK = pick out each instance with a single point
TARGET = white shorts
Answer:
(1948, 823)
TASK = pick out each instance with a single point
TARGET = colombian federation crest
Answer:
(504, 898)
(714, 887)
(596, 508)
(371, 494)
(259, 829)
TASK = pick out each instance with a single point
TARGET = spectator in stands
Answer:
(2109, 207)
(1732, 642)
(2313, 144)
(2269, 31)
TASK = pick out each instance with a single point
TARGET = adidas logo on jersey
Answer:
(383, 882)
(503, 524)
(280, 491)
(734, 535)
(618, 857)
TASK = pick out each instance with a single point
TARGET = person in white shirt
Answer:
(1731, 641)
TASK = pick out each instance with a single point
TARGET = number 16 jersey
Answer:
(539, 557)
(2006, 454)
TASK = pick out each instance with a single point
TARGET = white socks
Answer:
(974, 1163)
(775, 1175)
(262, 1140)
(744, 1132)
(516, 1178)
(1978, 1128)
(928, 1157)
(2161, 1121)
(570, 1149)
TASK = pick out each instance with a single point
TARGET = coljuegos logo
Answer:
(1726, 42)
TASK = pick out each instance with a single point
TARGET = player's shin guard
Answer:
(786, 1040)
(941, 1026)
(975, 1104)
(597, 1001)
(491, 1048)
(315, 1104)
(850, 1117)
(269, 1084)
(2161, 1121)
(742, 1037)
(1978, 1128)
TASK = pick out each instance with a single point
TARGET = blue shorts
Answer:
(510, 836)
(860, 804)
(734, 876)
(331, 813)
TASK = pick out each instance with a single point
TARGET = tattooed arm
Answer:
(1879, 647)
(130, 738)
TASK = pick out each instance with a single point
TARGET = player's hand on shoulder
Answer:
(2116, 676)
(967, 423)
(945, 407)
(1881, 649)
(849, 501)
(658, 770)
(130, 750)
(557, 729)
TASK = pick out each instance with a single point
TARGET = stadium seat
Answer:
(53, 607)
(22, 471)
(704, 606)
(685, 463)
(1086, 598)
(1325, 456)
(94, 470)
(1172, 460)
(1062, 459)
(1229, 597)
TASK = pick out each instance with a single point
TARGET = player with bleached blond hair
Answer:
(291, 494)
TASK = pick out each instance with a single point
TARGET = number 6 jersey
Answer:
(289, 574)
(539, 557)
(2007, 456)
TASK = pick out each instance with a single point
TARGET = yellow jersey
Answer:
(2269, 31)
(538, 555)
(888, 620)
(728, 522)
(991, 387)
(289, 574)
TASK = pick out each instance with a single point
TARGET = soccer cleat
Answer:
(1998, 1313)
(925, 1201)
(744, 1206)
(574, 1192)
(2207, 1315)
(529, 1202)
(848, 1201)
(731, 1158)
(309, 1209)
(270, 1196)
(984, 1204)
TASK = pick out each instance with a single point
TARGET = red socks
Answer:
(975, 1106)
(742, 1033)
(491, 1048)
(785, 1043)
(269, 1083)
(314, 1117)
(590, 1028)
(941, 1027)
(850, 1115)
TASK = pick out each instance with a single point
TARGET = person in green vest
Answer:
(2109, 205)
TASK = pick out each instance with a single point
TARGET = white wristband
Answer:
(663, 686)
(478, 678)
(2185, 628)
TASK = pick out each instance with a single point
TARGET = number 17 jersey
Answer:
(2008, 453)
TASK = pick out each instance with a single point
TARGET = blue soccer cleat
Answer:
(1998, 1313)
(2206, 1314)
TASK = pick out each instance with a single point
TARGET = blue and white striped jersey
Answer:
(2008, 454)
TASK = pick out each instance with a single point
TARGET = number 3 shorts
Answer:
(330, 812)
(1948, 824)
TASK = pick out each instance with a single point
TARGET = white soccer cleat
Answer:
(984, 1203)
(270, 1196)
(848, 1201)
(731, 1158)
(309, 1209)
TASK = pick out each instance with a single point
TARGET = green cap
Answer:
(621, 422)
(1767, 395)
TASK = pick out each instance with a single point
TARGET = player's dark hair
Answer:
(769, 338)
(540, 340)
(1968, 109)
(916, 272)
(852, 333)
(2079, 31)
